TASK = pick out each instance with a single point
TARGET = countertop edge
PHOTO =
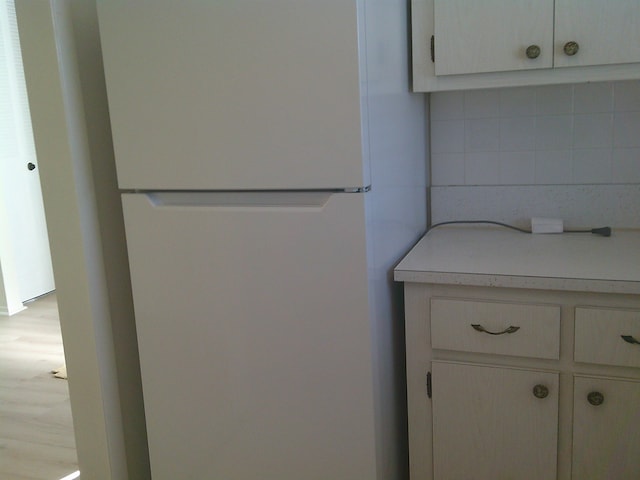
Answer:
(512, 281)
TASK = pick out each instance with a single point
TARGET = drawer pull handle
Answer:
(480, 328)
(630, 339)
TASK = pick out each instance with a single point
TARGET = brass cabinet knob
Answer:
(571, 48)
(595, 398)
(540, 391)
(533, 51)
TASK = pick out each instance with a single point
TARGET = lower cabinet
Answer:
(494, 423)
(507, 384)
(606, 429)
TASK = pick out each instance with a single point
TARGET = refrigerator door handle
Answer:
(304, 199)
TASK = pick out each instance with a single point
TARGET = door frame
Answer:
(86, 234)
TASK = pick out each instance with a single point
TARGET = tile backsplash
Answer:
(550, 135)
(566, 151)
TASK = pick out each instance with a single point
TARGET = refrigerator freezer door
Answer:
(233, 95)
(252, 322)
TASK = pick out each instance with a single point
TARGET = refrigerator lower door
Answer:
(254, 336)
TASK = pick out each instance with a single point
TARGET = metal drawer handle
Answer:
(630, 339)
(480, 328)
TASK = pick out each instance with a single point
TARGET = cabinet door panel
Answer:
(255, 356)
(606, 438)
(492, 35)
(487, 423)
(606, 32)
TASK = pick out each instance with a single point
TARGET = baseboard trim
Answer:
(4, 311)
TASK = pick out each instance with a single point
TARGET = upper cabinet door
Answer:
(492, 35)
(242, 94)
(605, 32)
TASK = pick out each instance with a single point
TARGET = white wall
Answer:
(10, 299)
(9, 293)
(67, 98)
(9, 288)
(569, 151)
(111, 230)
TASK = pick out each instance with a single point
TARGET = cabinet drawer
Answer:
(598, 336)
(523, 330)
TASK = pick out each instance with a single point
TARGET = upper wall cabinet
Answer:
(466, 44)
(492, 35)
(596, 32)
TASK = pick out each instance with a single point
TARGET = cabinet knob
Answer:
(533, 51)
(571, 48)
(540, 391)
(595, 398)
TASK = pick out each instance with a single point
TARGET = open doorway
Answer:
(25, 257)
(62, 60)
(36, 439)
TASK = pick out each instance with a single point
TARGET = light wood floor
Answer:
(36, 430)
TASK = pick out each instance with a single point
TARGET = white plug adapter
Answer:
(546, 225)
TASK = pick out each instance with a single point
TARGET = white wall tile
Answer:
(481, 103)
(447, 136)
(627, 96)
(626, 165)
(554, 99)
(592, 166)
(447, 105)
(527, 146)
(553, 167)
(626, 129)
(580, 206)
(519, 101)
(517, 133)
(447, 169)
(480, 168)
(554, 132)
(593, 130)
(517, 168)
(593, 97)
(547, 135)
(482, 135)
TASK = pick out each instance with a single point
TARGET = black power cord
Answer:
(604, 231)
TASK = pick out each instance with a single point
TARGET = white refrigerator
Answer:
(272, 164)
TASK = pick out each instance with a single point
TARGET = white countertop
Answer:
(496, 256)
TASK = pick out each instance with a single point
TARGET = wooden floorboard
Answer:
(36, 430)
